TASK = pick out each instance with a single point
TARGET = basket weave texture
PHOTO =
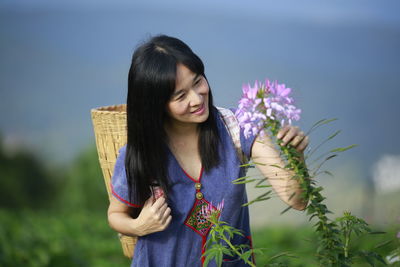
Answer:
(110, 130)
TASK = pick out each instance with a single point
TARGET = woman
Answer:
(178, 142)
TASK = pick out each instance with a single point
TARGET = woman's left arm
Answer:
(281, 179)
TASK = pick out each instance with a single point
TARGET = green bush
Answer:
(25, 182)
(301, 243)
(30, 238)
(83, 185)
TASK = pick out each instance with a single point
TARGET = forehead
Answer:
(184, 77)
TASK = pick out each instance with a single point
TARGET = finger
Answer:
(302, 146)
(167, 222)
(158, 203)
(283, 131)
(290, 135)
(162, 209)
(297, 139)
(166, 214)
(148, 202)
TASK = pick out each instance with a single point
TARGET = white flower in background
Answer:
(386, 173)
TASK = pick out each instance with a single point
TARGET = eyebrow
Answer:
(181, 90)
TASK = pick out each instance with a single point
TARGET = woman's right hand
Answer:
(155, 216)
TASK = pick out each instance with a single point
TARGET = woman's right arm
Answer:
(153, 217)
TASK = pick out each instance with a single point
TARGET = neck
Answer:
(181, 130)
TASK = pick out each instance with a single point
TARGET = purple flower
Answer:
(263, 101)
(209, 210)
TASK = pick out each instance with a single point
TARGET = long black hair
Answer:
(151, 82)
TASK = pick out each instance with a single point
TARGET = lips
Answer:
(200, 110)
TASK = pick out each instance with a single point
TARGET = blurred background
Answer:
(59, 59)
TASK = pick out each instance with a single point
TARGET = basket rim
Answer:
(109, 109)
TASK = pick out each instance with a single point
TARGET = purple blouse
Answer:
(182, 242)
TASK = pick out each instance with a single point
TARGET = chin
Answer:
(204, 116)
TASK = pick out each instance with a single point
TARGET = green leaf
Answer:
(341, 149)
(292, 195)
(322, 143)
(261, 197)
(325, 172)
(246, 165)
(320, 123)
(379, 258)
(377, 233)
(209, 254)
(322, 163)
(285, 210)
(383, 244)
(334, 134)
(246, 255)
(262, 186)
(218, 258)
(314, 215)
(261, 180)
(226, 251)
(243, 180)
(240, 233)
(255, 200)
(282, 254)
(275, 165)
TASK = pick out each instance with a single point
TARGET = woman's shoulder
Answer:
(122, 150)
(224, 110)
(120, 160)
(243, 144)
(121, 153)
(228, 117)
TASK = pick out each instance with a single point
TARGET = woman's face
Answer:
(189, 102)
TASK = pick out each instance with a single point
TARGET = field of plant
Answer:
(31, 238)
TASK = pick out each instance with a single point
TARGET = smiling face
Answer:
(189, 102)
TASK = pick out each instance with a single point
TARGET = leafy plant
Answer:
(263, 109)
(220, 242)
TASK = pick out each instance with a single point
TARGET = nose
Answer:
(196, 98)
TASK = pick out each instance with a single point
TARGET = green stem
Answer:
(236, 251)
(347, 234)
(327, 230)
(346, 244)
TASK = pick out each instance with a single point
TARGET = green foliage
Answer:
(76, 232)
(350, 226)
(299, 242)
(29, 238)
(394, 256)
(219, 243)
(25, 182)
(55, 217)
(83, 184)
(333, 243)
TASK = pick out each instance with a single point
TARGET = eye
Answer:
(180, 96)
(198, 81)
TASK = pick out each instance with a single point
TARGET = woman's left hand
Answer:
(294, 136)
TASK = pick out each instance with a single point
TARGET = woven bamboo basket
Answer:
(110, 130)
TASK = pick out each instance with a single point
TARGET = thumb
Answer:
(149, 202)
